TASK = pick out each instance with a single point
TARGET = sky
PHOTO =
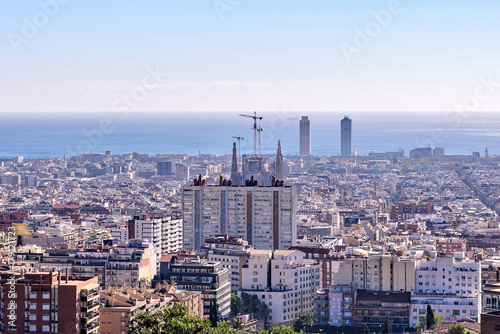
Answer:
(245, 55)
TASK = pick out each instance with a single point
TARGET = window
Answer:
(45, 328)
(33, 307)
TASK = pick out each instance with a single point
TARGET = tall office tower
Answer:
(45, 302)
(264, 216)
(234, 166)
(279, 163)
(346, 137)
(305, 136)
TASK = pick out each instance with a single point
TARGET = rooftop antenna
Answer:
(255, 118)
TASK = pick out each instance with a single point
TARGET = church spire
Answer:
(279, 163)
(234, 167)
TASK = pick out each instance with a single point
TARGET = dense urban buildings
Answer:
(365, 237)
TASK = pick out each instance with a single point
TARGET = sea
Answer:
(64, 134)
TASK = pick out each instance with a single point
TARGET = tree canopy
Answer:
(174, 320)
(250, 304)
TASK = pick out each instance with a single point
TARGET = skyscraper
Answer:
(264, 216)
(346, 137)
(279, 163)
(305, 136)
(234, 166)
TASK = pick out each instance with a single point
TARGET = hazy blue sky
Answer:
(234, 55)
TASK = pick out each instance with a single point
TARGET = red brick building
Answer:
(45, 302)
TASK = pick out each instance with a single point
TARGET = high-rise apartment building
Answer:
(346, 137)
(264, 216)
(45, 302)
(305, 135)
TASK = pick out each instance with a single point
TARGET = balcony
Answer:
(320, 308)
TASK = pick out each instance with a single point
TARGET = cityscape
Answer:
(346, 240)
(249, 167)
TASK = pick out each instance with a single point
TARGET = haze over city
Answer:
(249, 167)
(240, 55)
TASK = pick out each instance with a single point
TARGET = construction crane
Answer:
(239, 138)
(255, 129)
(259, 130)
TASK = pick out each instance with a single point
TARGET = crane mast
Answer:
(255, 129)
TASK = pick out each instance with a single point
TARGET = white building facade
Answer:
(289, 290)
(450, 287)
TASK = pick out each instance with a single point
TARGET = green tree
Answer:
(252, 305)
(430, 318)
(306, 319)
(456, 329)
(281, 330)
(235, 304)
(174, 320)
(214, 313)
(365, 329)
(387, 326)
(438, 319)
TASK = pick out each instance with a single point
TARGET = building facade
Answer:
(45, 302)
(195, 274)
(452, 288)
(346, 137)
(284, 280)
(305, 135)
(130, 263)
(264, 216)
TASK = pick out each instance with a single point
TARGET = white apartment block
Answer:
(131, 262)
(452, 289)
(291, 287)
(164, 233)
(232, 253)
(264, 216)
(376, 273)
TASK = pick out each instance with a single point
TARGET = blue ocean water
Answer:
(61, 134)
